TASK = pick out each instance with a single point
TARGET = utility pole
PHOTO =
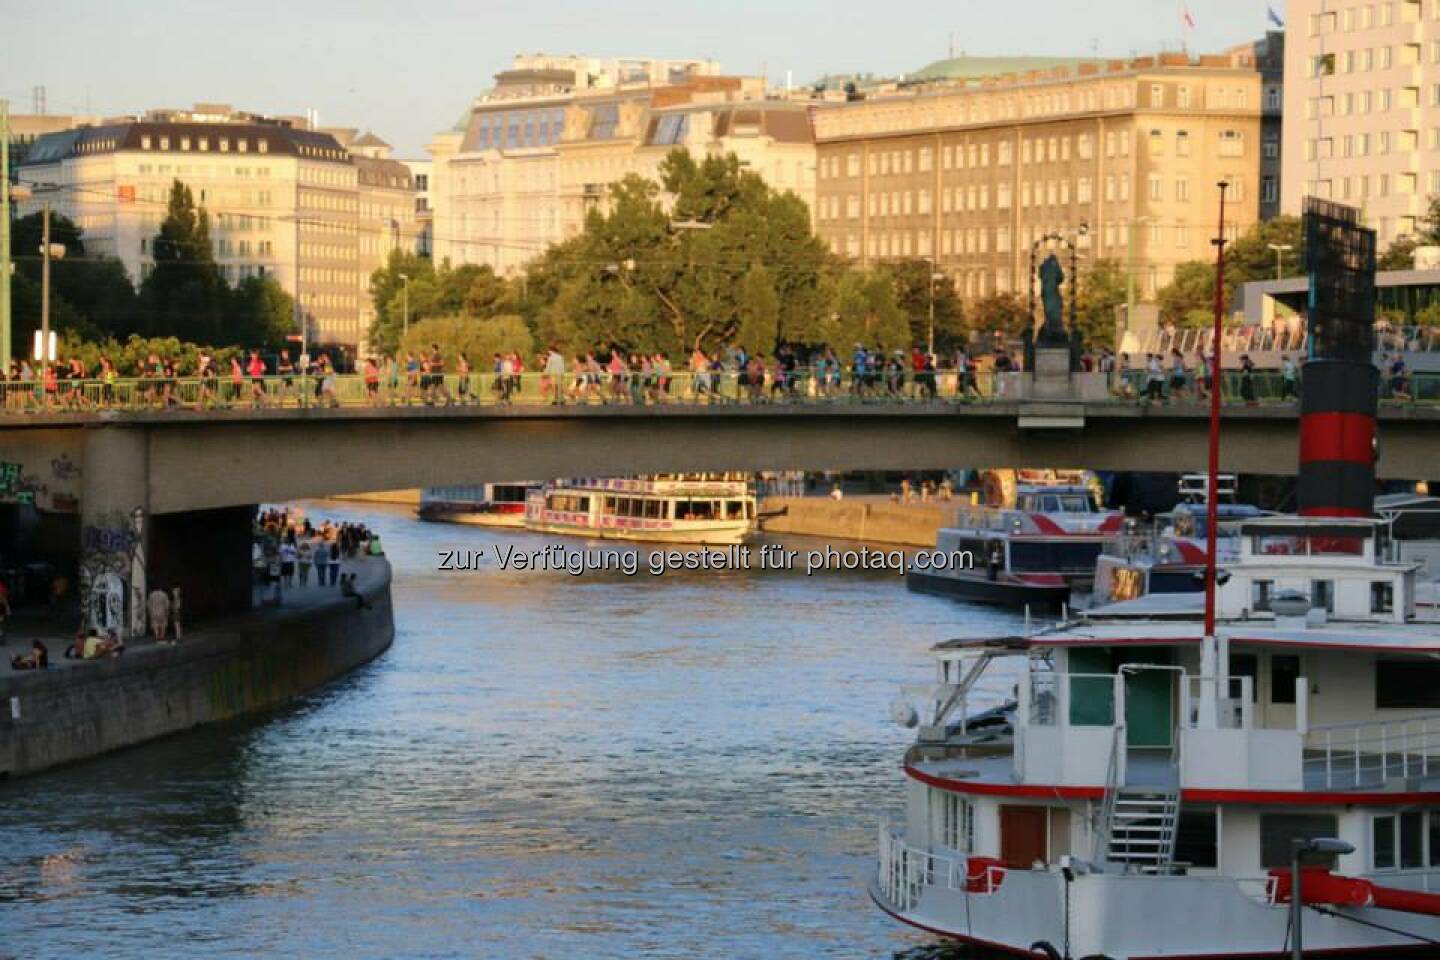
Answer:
(5, 265)
(405, 309)
(45, 356)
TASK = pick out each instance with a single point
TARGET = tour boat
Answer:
(1145, 804)
(489, 505)
(1034, 552)
(1168, 557)
(1173, 759)
(698, 508)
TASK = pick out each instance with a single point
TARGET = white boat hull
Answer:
(1129, 916)
(694, 532)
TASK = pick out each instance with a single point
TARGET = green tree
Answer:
(759, 312)
(914, 285)
(1252, 258)
(1189, 293)
(1003, 312)
(477, 339)
(470, 290)
(653, 277)
(262, 313)
(90, 296)
(1102, 289)
(184, 295)
(865, 312)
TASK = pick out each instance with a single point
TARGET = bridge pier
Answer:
(126, 551)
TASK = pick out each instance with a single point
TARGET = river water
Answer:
(542, 766)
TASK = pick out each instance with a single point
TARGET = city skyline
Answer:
(376, 67)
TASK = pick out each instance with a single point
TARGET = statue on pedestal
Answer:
(1052, 275)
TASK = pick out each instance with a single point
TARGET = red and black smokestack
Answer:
(1340, 387)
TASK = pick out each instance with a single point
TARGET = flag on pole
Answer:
(1275, 17)
(1185, 17)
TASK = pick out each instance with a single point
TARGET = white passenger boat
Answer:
(699, 508)
(488, 505)
(1174, 759)
(1146, 803)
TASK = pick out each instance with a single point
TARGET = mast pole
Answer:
(1210, 665)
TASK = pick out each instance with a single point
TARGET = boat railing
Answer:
(1051, 695)
(1372, 753)
(1234, 701)
(1106, 816)
(906, 871)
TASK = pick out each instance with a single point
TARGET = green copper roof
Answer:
(970, 68)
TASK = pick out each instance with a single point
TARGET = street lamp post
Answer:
(5, 237)
(1130, 274)
(1280, 250)
(935, 277)
(44, 348)
(1298, 848)
(405, 309)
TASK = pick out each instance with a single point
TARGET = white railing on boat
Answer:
(905, 871)
(1372, 753)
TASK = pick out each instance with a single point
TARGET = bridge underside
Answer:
(199, 467)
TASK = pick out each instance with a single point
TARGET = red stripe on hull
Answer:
(1349, 437)
(1417, 950)
(1296, 798)
(1334, 512)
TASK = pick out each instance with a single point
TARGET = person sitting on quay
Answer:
(37, 659)
(347, 589)
(91, 646)
(158, 606)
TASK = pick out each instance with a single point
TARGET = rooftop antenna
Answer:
(37, 99)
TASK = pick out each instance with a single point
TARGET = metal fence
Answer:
(803, 386)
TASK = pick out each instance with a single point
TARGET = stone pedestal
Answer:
(1050, 380)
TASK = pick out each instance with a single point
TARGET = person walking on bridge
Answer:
(555, 375)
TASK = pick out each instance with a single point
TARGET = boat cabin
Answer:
(1139, 745)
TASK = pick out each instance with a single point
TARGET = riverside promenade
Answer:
(866, 518)
(222, 669)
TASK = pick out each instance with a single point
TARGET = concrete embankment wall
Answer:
(407, 497)
(907, 524)
(262, 661)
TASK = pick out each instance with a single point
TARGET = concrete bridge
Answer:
(177, 485)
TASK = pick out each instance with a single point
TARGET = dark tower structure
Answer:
(1341, 385)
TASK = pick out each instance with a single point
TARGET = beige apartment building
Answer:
(529, 159)
(283, 201)
(1121, 156)
(1362, 108)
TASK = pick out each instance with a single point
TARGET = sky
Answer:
(408, 70)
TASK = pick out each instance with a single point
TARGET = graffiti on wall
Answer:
(112, 572)
(52, 486)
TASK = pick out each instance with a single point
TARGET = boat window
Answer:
(1412, 839)
(957, 822)
(1260, 592)
(1076, 503)
(735, 509)
(1399, 841)
(1382, 597)
(1244, 665)
(1407, 683)
(1197, 838)
(652, 509)
(1434, 835)
(1053, 556)
(609, 506)
(1382, 843)
(1049, 504)
(1284, 669)
(1322, 595)
(1278, 829)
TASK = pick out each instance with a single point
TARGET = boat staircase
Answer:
(1136, 828)
(1141, 835)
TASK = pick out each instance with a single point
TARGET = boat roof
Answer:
(1172, 619)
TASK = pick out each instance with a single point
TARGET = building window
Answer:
(1197, 837)
(1403, 842)
(1268, 191)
